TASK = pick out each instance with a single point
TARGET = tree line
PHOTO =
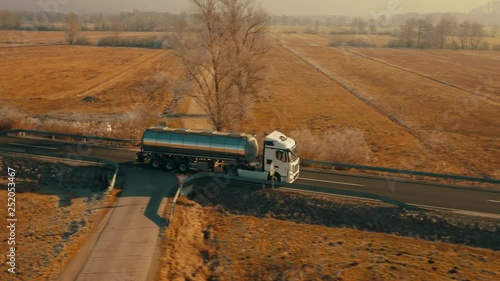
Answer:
(447, 33)
(124, 21)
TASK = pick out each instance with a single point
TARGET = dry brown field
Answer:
(300, 29)
(54, 79)
(207, 243)
(447, 110)
(323, 39)
(54, 214)
(308, 99)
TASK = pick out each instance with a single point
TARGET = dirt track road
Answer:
(126, 248)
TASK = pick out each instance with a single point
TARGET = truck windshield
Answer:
(293, 154)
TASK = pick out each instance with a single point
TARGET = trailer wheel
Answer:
(183, 166)
(169, 165)
(155, 162)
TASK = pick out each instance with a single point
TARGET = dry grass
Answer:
(301, 97)
(55, 214)
(9, 118)
(337, 145)
(131, 87)
(64, 75)
(129, 126)
(11, 38)
(326, 40)
(184, 245)
(204, 243)
(268, 249)
(482, 74)
(453, 126)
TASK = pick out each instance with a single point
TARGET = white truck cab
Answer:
(280, 153)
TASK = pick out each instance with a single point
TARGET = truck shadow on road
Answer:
(158, 185)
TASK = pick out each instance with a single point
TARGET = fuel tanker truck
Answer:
(186, 150)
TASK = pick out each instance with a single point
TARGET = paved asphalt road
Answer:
(421, 194)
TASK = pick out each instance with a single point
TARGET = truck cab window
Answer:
(281, 155)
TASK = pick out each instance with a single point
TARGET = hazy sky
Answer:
(276, 7)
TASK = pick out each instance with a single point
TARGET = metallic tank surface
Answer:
(214, 144)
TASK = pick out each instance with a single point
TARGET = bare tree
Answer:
(99, 22)
(407, 31)
(10, 20)
(317, 23)
(84, 21)
(372, 24)
(422, 26)
(223, 56)
(470, 34)
(494, 30)
(15, 20)
(359, 25)
(72, 27)
(116, 27)
(464, 32)
(4, 19)
(444, 29)
(476, 35)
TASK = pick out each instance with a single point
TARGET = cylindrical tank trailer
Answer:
(211, 144)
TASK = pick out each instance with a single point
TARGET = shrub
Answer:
(346, 145)
(342, 32)
(361, 43)
(151, 42)
(82, 40)
(310, 30)
(130, 126)
(356, 42)
(395, 43)
(9, 118)
(336, 43)
(496, 47)
(484, 46)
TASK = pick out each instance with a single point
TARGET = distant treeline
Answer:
(457, 31)
(485, 18)
(125, 21)
(156, 21)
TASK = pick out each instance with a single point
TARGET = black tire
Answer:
(140, 159)
(169, 165)
(277, 178)
(183, 166)
(155, 163)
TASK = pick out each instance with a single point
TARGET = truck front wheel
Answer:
(155, 162)
(275, 178)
